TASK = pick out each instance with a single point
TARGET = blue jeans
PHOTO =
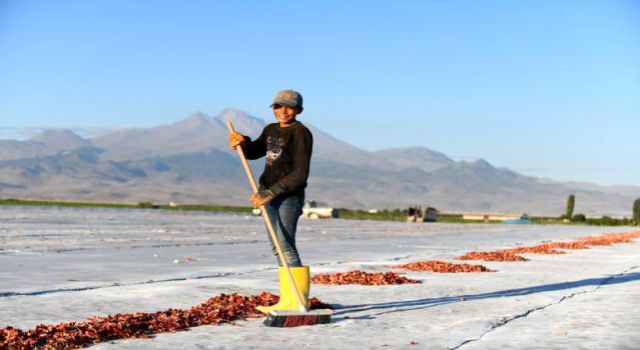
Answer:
(284, 212)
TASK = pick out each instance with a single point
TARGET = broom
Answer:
(283, 318)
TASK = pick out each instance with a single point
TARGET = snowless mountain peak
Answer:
(236, 115)
(59, 139)
(481, 163)
(242, 121)
(56, 134)
(194, 120)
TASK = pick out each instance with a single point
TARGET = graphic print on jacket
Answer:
(274, 149)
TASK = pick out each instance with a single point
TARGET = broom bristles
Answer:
(291, 318)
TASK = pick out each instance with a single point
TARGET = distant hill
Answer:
(59, 139)
(415, 157)
(190, 161)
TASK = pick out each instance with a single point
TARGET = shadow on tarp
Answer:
(417, 304)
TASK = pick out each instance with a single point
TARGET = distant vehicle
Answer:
(311, 210)
(317, 210)
(420, 214)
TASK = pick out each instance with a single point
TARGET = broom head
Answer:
(293, 318)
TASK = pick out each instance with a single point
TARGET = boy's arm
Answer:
(255, 149)
(302, 148)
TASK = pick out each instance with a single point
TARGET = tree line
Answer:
(604, 220)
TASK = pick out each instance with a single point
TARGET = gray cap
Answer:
(289, 98)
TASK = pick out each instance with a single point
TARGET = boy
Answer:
(287, 146)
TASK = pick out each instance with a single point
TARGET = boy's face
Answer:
(285, 116)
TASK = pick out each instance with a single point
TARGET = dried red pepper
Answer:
(72, 335)
(442, 267)
(362, 278)
(550, 248)
(492, 256)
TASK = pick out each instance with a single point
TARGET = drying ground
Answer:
(69, 264)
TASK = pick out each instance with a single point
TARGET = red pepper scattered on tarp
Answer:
(362, 278)
(550, 248)
(499, 255)
(442, 267)
(610, 238)
(73, 335)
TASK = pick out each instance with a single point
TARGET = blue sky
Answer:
(547, 88)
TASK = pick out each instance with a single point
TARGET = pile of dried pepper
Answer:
(499, 255)
(362, 278)
(442, 267)
(551, 248)
(72, 335)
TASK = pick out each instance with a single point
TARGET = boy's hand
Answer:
(261, 198)
(235, 140)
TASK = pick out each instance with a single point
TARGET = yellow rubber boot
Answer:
(288, 300)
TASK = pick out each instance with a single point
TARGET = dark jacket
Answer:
(288, 156)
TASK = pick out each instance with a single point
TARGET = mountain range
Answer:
(190, 162)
